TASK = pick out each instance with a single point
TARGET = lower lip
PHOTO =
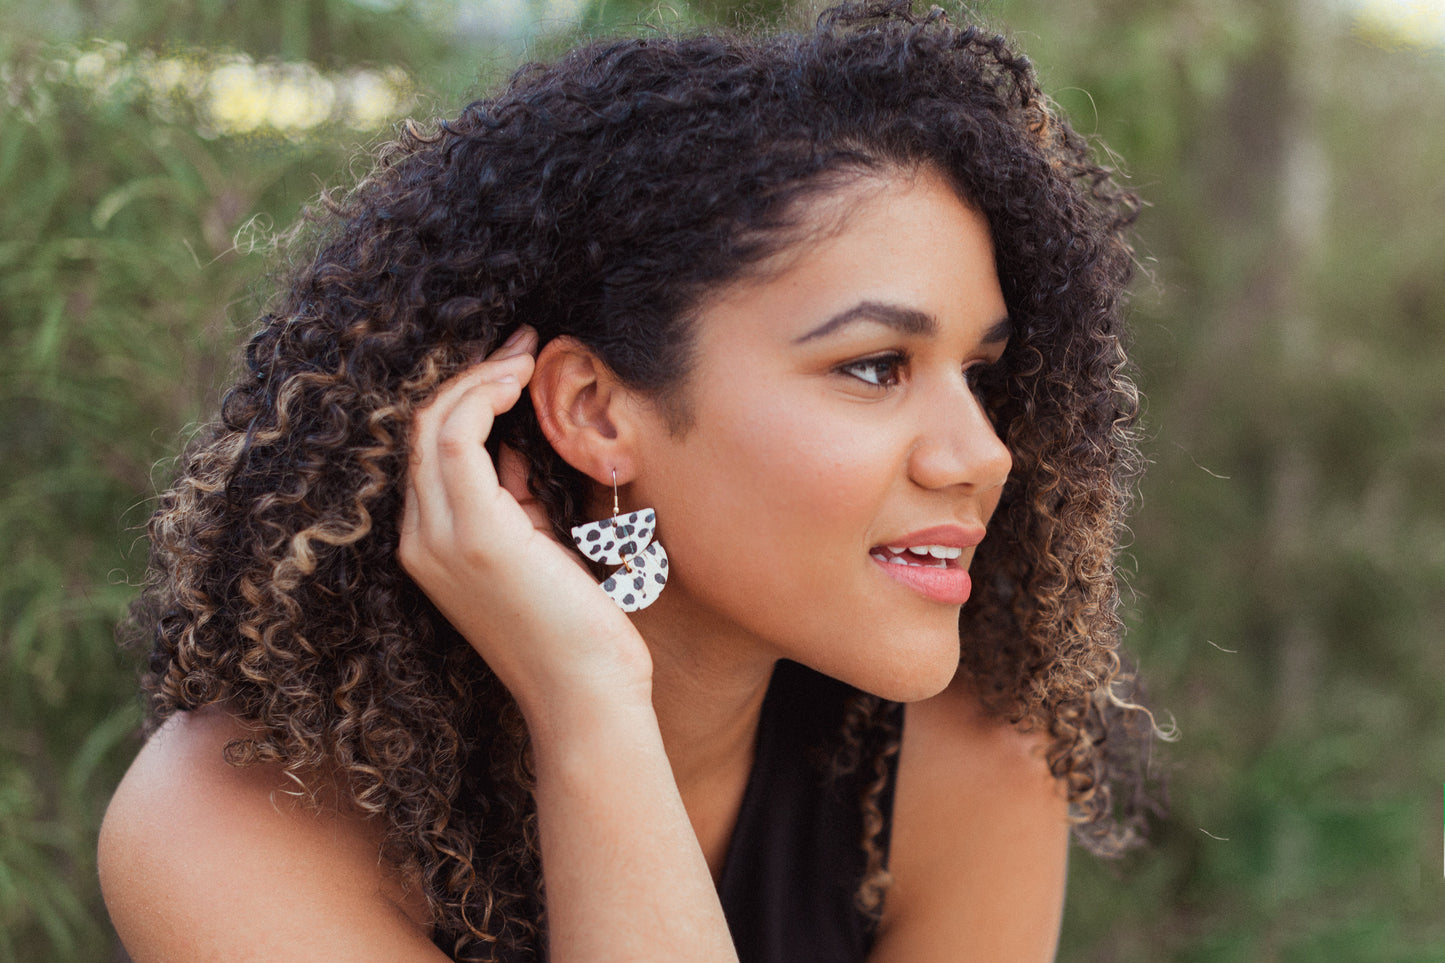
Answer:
(950, 586)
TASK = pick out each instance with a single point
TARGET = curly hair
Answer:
(604, 197)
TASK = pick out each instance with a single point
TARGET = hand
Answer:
(481, 548)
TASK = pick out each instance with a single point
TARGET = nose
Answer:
(957, 445)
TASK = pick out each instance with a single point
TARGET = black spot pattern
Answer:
(626, 541)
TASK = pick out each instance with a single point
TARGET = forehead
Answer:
(906, 239)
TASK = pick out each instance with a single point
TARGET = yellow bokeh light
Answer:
(90, 68)
(174, 76)
(371, 99)
(1413, 23)
(238, 104)
(234, 96)
(300, 98)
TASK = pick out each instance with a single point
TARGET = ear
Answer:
(585, 411)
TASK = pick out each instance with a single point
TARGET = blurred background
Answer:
(1287, 571)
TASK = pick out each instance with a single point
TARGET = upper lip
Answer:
(950, 536)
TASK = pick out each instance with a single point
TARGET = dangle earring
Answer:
(626, 541)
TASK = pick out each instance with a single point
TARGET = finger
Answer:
(450, 469)
(407, 546)
(425, 509)
(461, 472)
(507, 358)
(512, 358)
(521, 341)
(512, 474)
(448, 439)
(516, 365)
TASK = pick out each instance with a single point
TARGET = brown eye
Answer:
(882, 371)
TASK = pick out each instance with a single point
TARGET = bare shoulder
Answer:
(203, 860)
(980, 839)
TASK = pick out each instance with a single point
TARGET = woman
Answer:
(829, 308)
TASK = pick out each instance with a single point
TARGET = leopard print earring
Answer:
(626, 541)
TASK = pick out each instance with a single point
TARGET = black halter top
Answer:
(795, 859)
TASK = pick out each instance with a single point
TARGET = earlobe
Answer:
(581, 407)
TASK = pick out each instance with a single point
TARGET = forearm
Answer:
(625, 876)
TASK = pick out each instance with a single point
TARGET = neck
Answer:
(707, 691)
(708, 718)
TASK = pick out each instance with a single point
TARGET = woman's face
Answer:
(838, 470)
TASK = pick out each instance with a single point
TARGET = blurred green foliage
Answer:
(1289, 553)
(1289, 541)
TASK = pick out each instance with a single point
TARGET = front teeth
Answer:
(934, 551)
(937, 556)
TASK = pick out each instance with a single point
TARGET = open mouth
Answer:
(919, 556)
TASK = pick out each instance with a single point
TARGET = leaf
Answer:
(111, 204)
(102, 740)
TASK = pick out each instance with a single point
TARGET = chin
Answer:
(916, 689)
(907, 675)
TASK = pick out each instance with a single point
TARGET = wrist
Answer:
(591, 700)
(569, 671)
(572, 736)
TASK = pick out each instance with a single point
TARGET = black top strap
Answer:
(795, 859)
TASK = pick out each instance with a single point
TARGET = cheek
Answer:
(786, 478)
(768, 518)
(769, 509)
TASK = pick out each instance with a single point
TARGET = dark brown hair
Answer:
(604, 197)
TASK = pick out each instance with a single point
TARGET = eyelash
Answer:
(894, 360)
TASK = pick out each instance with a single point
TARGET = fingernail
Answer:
(512, 338)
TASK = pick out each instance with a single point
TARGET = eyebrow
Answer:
(901, 319)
